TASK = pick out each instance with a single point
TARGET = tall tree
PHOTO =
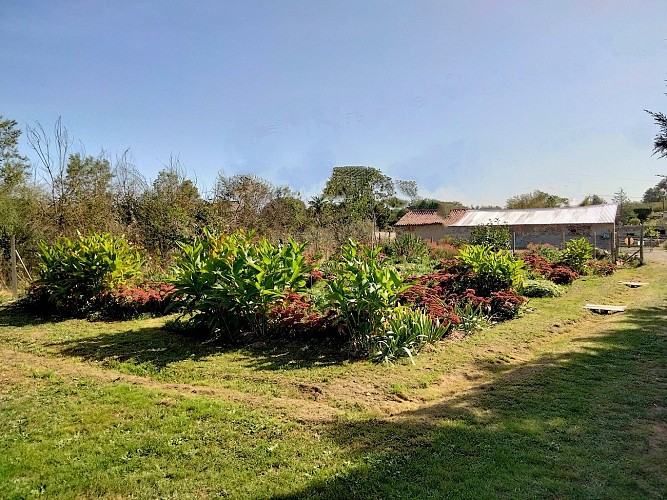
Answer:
(359, 191)
(14, 167)
(537, 199)
(19, 199)
(592, 199)
(169, 210)
(660, 141)
(242, 198)
(86, 194)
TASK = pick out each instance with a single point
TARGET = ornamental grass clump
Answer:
(541, 288)
(405, 332)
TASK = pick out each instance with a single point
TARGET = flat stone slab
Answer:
(633, 284)
(605, 309)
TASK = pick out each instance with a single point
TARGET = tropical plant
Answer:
(410, 247)
(364, 292)
(492, 270)
(576, 253)
(75, 271)
(230, 282)
(492, 234)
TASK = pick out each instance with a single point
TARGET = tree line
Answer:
(65, 191)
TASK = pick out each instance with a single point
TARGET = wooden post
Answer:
(514, 243)
(641, 244)
(15, 280)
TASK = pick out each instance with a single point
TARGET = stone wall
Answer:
(431, 232)
(556, 235)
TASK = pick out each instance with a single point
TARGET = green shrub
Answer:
(577, 253)
(546, 251)
(406, 331)
(409, 247)
(541, 288)
(493, 235)
(492, 270)
(600, 267)
(74, 272)
(442, 251)
(364, 292)
(230, 282)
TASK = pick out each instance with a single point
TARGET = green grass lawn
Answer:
(559, 403)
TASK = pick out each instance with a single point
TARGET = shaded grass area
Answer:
(560, 403)
(590, 424)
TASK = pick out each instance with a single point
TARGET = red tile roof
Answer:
(420, 218)
(429, 217)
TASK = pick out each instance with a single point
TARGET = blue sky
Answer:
(476, 101)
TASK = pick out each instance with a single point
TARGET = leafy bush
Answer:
(562, 275)
(442, 251)
(600, 267)
(74, 272)
(364, 292)
(406, 331)
(541, 288)
(492, 270)
(409, 247)
(231, 283)
(576, 253)
(546, 251)
(296, 313)
(506, 304)
(492, 235)
(127, 302)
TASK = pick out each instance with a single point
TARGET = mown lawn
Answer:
(559, 403)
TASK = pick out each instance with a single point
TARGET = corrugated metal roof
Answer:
(454, 216)
(593, 214)
(420, 218)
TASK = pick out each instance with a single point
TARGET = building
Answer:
(426, 223)
(554, 226)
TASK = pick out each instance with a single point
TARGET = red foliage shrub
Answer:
(126, 301)
(314, 276)
(559, 273)
(562, 275)
(538, 264)
(296, 314)
(506, 304)
(601, 267)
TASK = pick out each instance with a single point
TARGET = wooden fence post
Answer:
(15, 280)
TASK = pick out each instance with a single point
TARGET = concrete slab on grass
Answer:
(633, 284)
(605, 309)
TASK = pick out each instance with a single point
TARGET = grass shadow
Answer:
(159, 347)
(19, 315)
(585, 424)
